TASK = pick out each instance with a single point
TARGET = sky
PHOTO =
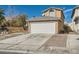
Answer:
(36, 10)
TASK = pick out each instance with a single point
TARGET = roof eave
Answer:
(52, 8)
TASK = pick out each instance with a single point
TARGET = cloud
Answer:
(68, 10)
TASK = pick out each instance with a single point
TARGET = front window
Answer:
(52, 13)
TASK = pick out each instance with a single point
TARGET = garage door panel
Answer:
(43, 27)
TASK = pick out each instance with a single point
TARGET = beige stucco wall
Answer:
(29, 27)
(56, 27)
(58, 13)
(60, 25)
(76, 14)
(76, 27)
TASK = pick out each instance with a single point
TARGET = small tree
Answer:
(2, 18)
(22, 19)
(18, 21)
(67, 29)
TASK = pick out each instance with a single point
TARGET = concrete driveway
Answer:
(40, 43)
(24, 42)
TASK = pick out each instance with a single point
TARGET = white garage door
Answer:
(43, 27)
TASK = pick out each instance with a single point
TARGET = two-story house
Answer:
(75, 19)
(51, 21)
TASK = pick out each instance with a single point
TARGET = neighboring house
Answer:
(75, 19)
(51, 21)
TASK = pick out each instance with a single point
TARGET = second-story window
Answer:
(52, 13)
(43, 14)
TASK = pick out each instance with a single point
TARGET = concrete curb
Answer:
(15, 52)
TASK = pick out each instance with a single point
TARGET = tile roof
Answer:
(52, 9)
(45, 18)
(77, 7)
